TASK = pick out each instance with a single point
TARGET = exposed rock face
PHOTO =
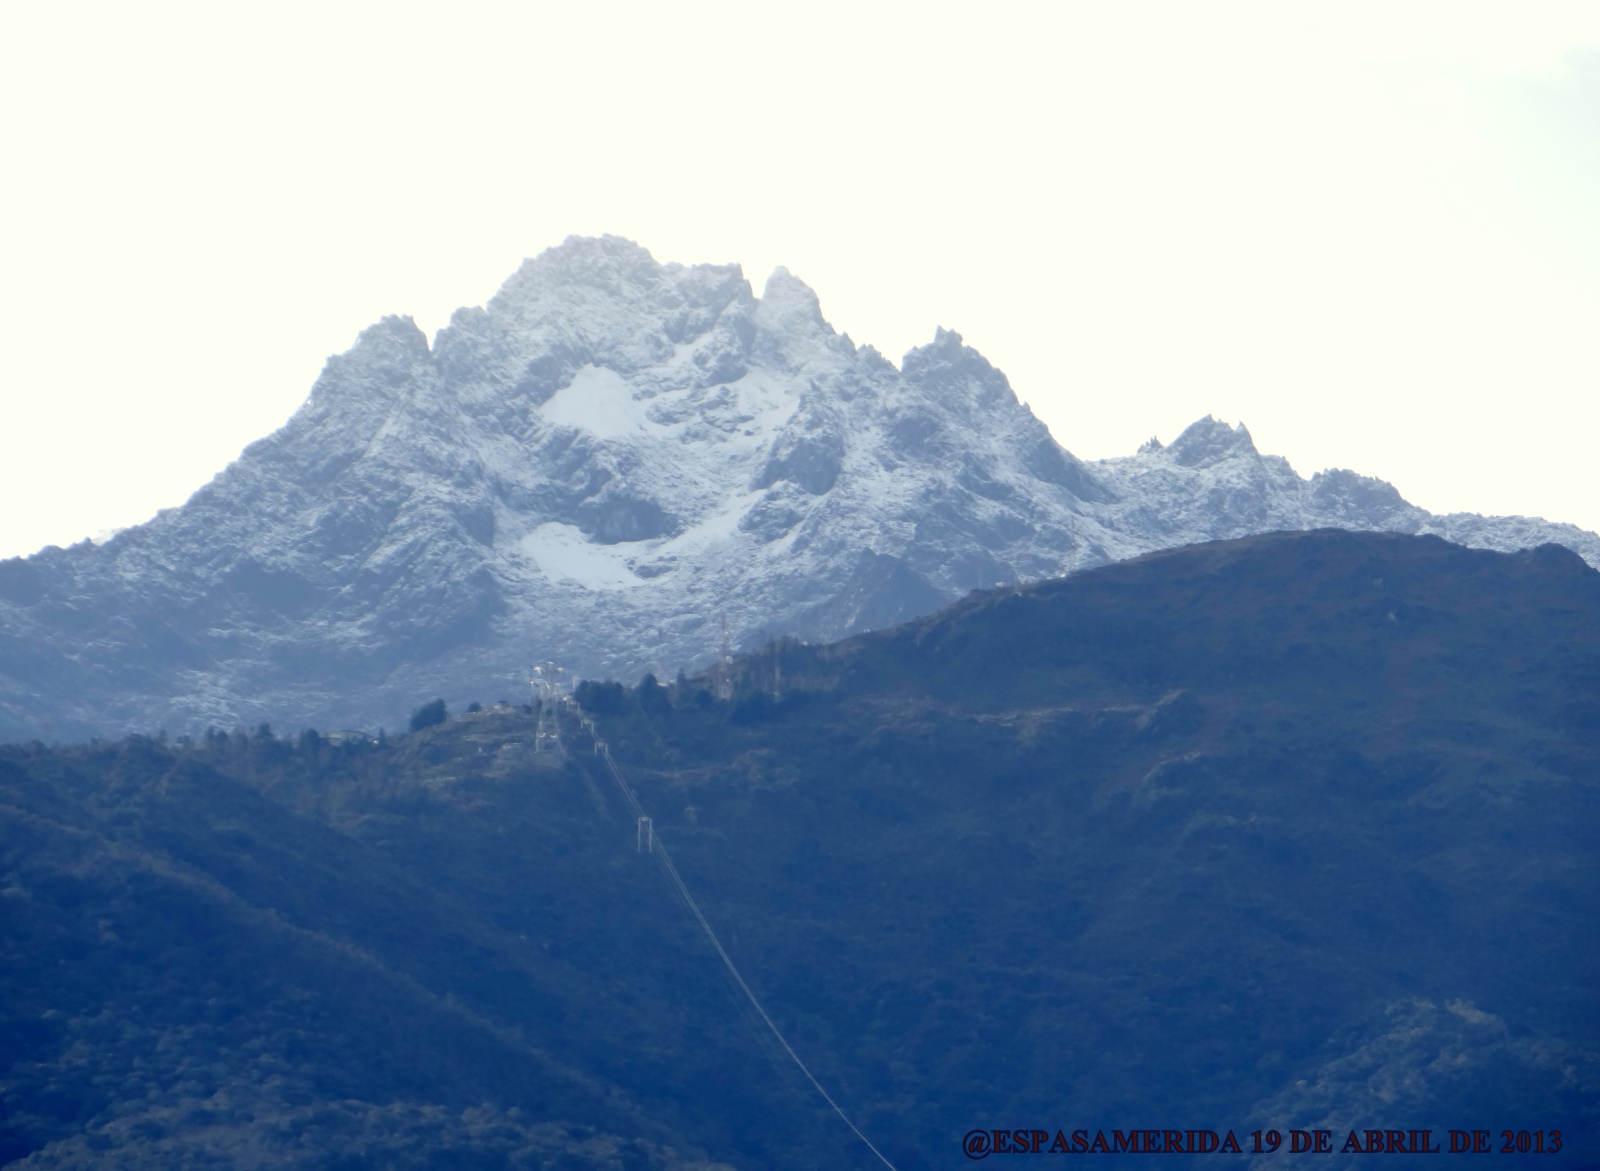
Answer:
(598, 468)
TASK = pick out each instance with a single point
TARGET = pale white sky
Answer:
(1370, 232)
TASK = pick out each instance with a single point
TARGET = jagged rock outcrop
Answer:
(600, 467)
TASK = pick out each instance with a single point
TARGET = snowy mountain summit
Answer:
(601, 467)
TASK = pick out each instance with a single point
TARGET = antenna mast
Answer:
(724, 665)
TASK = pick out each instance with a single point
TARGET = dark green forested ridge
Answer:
(1299, 830)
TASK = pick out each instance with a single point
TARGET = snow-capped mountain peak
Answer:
(1207, 442)
(600, 466)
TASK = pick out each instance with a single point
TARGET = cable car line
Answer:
(659, 849)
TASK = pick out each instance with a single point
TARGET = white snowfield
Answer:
(600, 467)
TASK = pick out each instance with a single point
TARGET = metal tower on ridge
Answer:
(548, 685)
(724, 676)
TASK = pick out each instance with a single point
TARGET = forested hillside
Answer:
(1293, 831)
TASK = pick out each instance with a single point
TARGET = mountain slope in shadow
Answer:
(1292, 831)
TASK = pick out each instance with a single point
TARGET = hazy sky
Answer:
(1370, 232)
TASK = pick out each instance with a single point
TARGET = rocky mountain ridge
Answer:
(606, 465)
